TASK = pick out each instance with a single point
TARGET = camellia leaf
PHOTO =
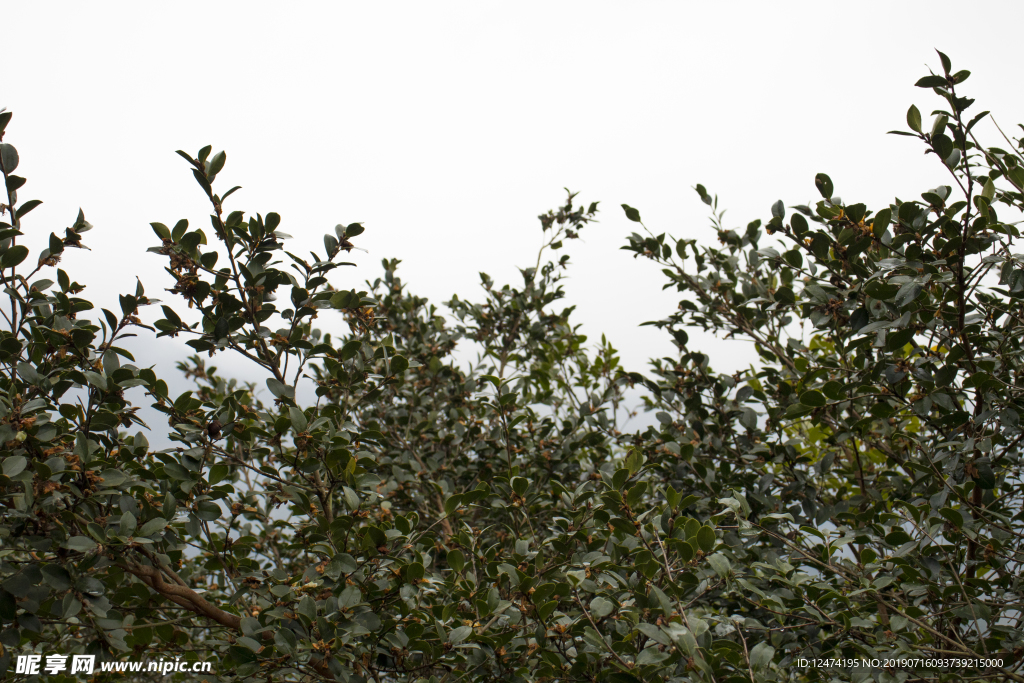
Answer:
(128, 524)
(460, 634)
(152, 526)
(14, 465)
(914, 119)
(813, 398)
(908, 293)
(399, 364)
(631, 213)
(824, 185)
(634, 461)
(298, 419)
(456, 560)
(80, 543)
(601, 607)
(8, 157)
(279, 389)
(13, 256)
(761, 655)
(706, 538)
(720, 563)
(931, 82)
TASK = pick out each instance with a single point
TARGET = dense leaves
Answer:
(857, 494)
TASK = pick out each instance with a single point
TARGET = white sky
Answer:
(447, 128)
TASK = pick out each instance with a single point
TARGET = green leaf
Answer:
(399, 364)
(824, 185)
(452, 504)
(28, 373)
(350, 349)
(813, 398)
(650, 656)
(946, 65)
(217, 163)
(80, 544)
(932, 82)
(352, 500)
(128, 524)
(298, 419)
(634, 461)
(8, 157)
(954, 517)
(413, 572)
(18, 585)
(706, 538)
(897, 537)
(914, 119)
(704, 196)
(631, 213)
(13, 256)
(161, 231)
(343, 300)
(113, 478)
(667, 607)
(989, 190)
(880, 290)
(57, 577)
(460, 634)
(953, 159)
(221, 329)
(834, 390)
(26, 207)
(218, 473)
(799, 224)
(208, 511)
(986, 475)
(81, 224)
(881, 222)
(544, 611)
(14, 465)
(307, 607)
(945, 375)
(180, 228)
(519, 485)
(908, 293)
(279, 389)
(784, 295)
(456, 560)
(897, 340)
(779, 210)
(761, 656)
(720, 563)
(601, 607)
(636, 493)
(152, 526)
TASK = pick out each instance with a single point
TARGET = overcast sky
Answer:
(448, 127)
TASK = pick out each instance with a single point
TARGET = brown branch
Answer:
(189, 599)
(167, 570)
(182, 595)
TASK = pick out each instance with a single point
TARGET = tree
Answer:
(856, 495)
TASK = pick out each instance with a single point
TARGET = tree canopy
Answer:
(855, 495)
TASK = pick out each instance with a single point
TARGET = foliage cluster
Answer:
(857, 494)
